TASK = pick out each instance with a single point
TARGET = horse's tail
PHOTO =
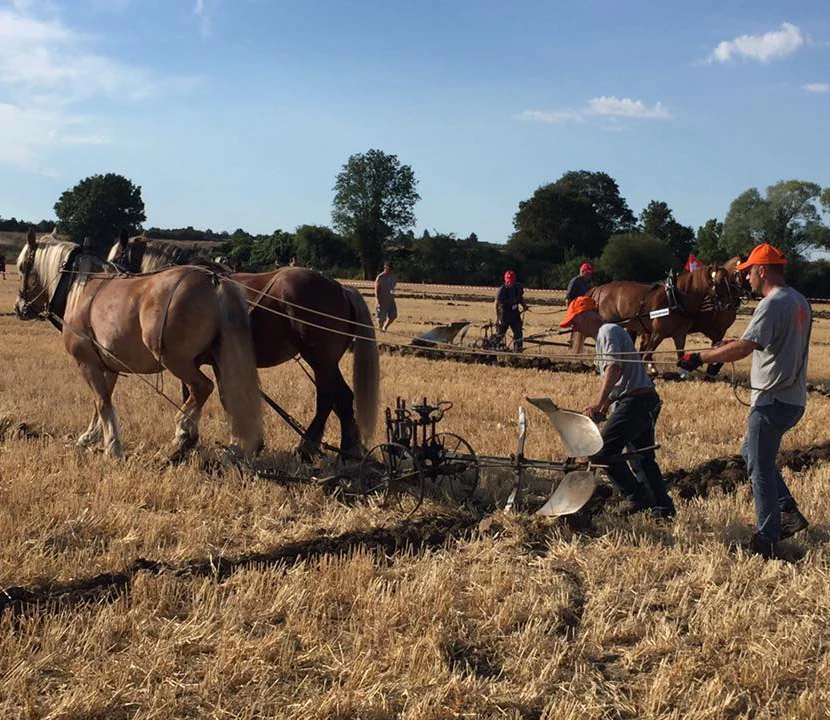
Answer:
(366, 370)
(236, 369)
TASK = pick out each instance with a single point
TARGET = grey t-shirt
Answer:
(385, 289)
(615, 347)
(781, 326)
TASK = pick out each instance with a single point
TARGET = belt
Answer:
(637, 391)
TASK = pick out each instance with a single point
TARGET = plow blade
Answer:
(441, 335)
(570, 495)
(580, 435)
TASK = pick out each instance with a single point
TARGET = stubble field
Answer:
(170, 592)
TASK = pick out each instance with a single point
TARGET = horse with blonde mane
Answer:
(706, 301)
(294, 312)
(173, 320)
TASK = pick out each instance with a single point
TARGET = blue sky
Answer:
(240, 113)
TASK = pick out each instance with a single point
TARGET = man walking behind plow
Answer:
(627, 389)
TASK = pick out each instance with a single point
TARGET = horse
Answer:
(707, 302)
(177, 320)
(297, 311)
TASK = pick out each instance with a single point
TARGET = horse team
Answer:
(180, 317)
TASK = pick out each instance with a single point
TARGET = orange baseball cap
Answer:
(763, 254)
(578, 306)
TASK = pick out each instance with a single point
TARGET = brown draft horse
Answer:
(297, 311)
(175, 320)
(708, 300)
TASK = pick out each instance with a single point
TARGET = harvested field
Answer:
(141, 590)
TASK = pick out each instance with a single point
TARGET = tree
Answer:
(658, 220)
(99, 207)
(552, 225)
(636, 256)
(323, 249)
(708, 247)
(602, 191)
(374, 198)
(787, 217)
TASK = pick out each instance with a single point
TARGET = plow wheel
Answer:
(453, 467)
(391, 473)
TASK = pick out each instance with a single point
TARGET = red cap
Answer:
(763, 254)
(510, 276)
(578, 306)
(586, 266)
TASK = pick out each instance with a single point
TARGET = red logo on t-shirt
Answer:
(802, 317)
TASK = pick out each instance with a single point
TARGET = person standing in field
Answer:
(628, 391)
(509, 298)
(578, 286)
(778, 338)
(3, 265)
(387, 310)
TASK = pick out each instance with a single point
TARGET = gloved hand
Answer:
(689, 362)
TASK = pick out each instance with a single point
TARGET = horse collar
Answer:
(57, 303)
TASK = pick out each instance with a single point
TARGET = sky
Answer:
(241, 113)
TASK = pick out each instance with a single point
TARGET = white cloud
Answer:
(626, 108)
(45, 69)
(608, 107)
(816, 87)
(769, 46)
(204, 10)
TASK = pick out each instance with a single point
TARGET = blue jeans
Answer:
(765, 428)
(632, 424)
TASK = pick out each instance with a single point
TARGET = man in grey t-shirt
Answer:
(778, 338)
(628, 390)
(387, 310)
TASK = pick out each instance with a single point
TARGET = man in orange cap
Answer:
(778, 338)
(628, 390)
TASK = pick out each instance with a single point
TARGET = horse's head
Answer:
(726, 289)
(738, 278)
(127, 252)
(39, 266)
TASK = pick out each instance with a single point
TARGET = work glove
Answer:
(690, 361)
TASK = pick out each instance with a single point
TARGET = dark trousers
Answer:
(513, 321)
(632, 424)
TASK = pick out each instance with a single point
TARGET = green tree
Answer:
(603, 193)
(708, 247)
(374, 198)
(323, 249)
(636, 256)
(787, 217)
(658, 220)
(552, 225)
(99, 207)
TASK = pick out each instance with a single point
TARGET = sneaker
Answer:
(759, 545)
(792, 521)
(659, 512)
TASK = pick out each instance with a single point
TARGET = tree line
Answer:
(581, 216)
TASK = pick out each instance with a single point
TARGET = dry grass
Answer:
(630, 620)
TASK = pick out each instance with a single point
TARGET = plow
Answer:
(418, 460)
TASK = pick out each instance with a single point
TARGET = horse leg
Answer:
(350, 440)
(199, 387)
(310, 444)
(93, 434)
(102, 383)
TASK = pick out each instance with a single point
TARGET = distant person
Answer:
(778, 338)
(3, 265)
(387, 310)
(509, 298)
(579, 284)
